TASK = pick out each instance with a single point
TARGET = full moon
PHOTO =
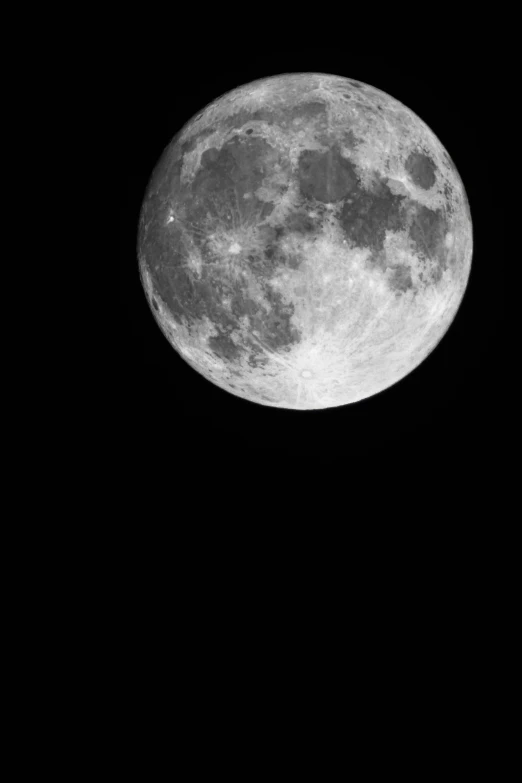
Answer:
(305, 241)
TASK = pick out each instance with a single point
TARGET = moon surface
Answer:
(305, 241)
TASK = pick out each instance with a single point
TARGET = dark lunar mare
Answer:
(325, 175)
(421, 169)
(427, 230)
(367, 214)
(400, 279)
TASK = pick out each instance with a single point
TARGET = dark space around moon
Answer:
(446, 411)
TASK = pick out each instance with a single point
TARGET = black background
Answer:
(202, 459)
(446, 411)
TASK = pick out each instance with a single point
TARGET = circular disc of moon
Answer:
(305, 241)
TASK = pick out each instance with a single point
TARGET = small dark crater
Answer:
(241, 117)
(155, 305)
